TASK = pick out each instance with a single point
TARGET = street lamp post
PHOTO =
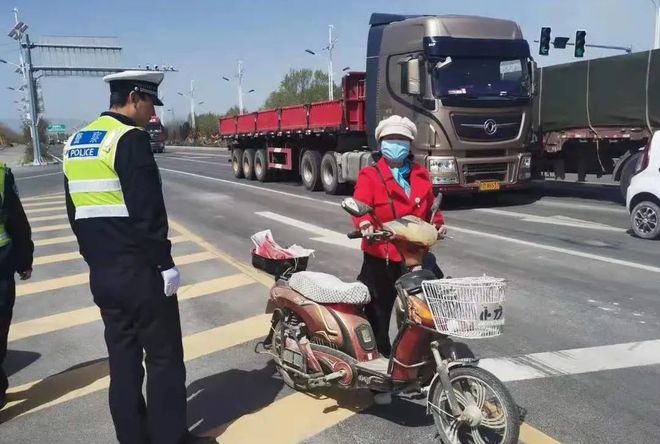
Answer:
(191, 95)
(656, 41)
(240, 71)
(330, 48)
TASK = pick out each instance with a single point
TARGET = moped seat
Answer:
(328, 289)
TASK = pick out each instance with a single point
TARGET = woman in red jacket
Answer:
(394, 187)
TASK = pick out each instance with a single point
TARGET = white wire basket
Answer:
(469, 307)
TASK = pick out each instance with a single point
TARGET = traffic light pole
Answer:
(627, 49)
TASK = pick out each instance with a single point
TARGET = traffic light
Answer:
(580, 42)
(544, 46)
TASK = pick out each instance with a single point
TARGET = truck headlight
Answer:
(442, 170)
(525, 170)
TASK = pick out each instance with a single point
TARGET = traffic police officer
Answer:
(16, 252)
(116, 209)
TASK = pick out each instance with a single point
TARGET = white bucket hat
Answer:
(402, 126)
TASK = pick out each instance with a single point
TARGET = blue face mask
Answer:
(396, 150)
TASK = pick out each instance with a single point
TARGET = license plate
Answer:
(489, 186)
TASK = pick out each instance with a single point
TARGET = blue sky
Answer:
(204, 38)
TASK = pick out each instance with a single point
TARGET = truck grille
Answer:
(487, 128)
(485, 171)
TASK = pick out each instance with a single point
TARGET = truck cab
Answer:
(157, 134)
(468, 84)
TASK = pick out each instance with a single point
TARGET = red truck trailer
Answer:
(309, 139)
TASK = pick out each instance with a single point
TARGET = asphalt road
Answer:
(581, 349)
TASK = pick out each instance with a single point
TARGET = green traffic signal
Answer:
(580, 42)
(544, 46)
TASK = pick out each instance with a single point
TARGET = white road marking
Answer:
(577, 206)
(567, 251)
(225, 164)
(552, 220)
(452, 228)
(326, 236)
(575, 361)
(38, 175)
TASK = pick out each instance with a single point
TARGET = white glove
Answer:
(172, 280)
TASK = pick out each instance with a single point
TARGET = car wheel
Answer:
(645, 220)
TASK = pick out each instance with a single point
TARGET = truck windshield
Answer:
(481, 78)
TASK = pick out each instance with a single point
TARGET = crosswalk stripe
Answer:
(320, 412)
(54, 240)
(57, 389)
(51, 228)
(45, 210)
(42, 203)
(43, 197)
(74, 318)
(54, 258)
(45, 218)
(78, 279)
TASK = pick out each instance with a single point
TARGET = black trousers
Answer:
(7, 299)
(140, 319)
(380, 277)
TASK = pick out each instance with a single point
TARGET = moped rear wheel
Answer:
(289, 379)
(490, 414)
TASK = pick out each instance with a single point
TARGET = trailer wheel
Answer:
(310, 170)
(261, 166)
(330, 174)
(248, 164)
(237, 162)
(627, 173)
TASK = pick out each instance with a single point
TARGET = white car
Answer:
(643, 195)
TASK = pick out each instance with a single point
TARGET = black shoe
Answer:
(3, 401)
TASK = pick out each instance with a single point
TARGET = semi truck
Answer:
(157, 134)
(595, 116)
(466, 82)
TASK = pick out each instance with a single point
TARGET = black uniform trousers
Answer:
(380, 276)
(7, 298)
(140, 319)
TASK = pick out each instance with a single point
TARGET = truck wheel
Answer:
(330, 174)
(627, 173)
(248, 164)
(237, 162)
(310, 170)
(261, 166)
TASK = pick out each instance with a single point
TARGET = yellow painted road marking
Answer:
(38, 395)
(44, 218)
(54, 240)
(257, 275)
(60, 321)
(54, 258)
(315, 415)
(194, 258)
(530, 435)
(51, 284)
(44, 203)
(45, 210)
(43, 197)
(80, 278)
(51, 228)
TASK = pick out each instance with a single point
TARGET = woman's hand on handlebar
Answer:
(366, 228)
(442, 231)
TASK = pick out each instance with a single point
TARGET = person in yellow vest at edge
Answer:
(16, 254)
(116, 209)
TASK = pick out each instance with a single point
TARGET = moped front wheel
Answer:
(488, 411)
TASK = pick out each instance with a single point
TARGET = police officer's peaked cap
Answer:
(142, 81)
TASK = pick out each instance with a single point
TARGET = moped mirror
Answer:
(355, 207)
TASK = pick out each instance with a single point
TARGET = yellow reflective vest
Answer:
(89, 159)
(4, 236)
